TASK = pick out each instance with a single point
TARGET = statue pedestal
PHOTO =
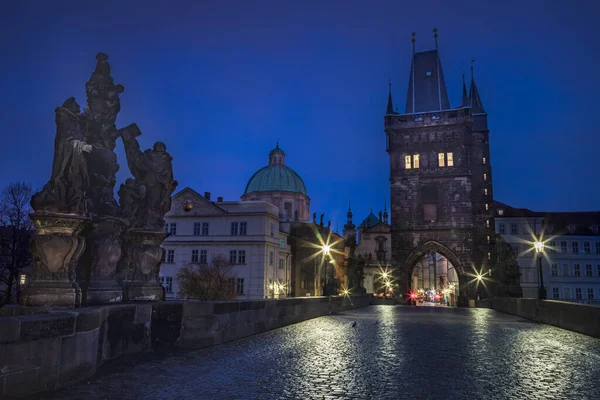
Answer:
(104, 246)
(56, 247)
(141, 265)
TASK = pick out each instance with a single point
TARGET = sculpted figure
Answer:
(67, 190)
(321, 219)
(314, 218)
(152, 169)
(103, 105)
(131, 195)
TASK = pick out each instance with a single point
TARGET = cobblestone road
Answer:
(392, 353)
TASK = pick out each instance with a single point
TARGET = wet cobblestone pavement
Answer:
(391, 353)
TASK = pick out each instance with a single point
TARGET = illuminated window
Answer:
(441, 159)
(416, 161)
(500, 212)
(407, 163)
(487, 223)
(485, 192)
(22, 279)
(489, 256)
(485, 177)
(483, 160)
(488, 239)
(450, 159)
(487, 207)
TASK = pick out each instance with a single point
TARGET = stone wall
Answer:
(54, 349)
(582, 318)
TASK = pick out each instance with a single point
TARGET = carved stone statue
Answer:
(67, 190)
(328, 224)
(152, 169)
(103, 105)
(314, 218)
(131, 196)
(321, 219)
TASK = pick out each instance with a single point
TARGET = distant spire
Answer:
(474, 99)
(465, 96)
(435, 36)
(385, 213)
(413, 40)
(390, 104)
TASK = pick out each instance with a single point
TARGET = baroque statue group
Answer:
(87, 247)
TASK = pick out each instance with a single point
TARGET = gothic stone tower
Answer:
(440, 178)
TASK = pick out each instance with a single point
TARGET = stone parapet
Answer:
(57, 348)
(582, 318)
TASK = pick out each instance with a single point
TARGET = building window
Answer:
(485, 192)
(588, 270)
(487, 223)
(483, 159)
(563, 247)
(232, 257)
(586, 247)
(576, 270)
(243, 228)
(173, 228)
(488, 240)
(281, 263)
(598, 269)
(554, 269)
(205, 229)
(487, 207)
(239, 287)
(555, 293)
(441, 162)
(566, 270)
(578, 293)
(567, 293)
(242, 257)
(489, 256)
(166, 227)
(170, 256)
(416, 161)
(515, 249)
(271, 258)
(234, 229)
(513, 229)
(203, 256)
(575, 247)
(302, 285)
(501, 229)
(552, 246)
(22, 279)
(197, 228)
(485, 177)
(590, 293)
(163, 256)
(450, 159)
(501, 212)
(282, 243)
(407, 162)
(167, 283)
(195, 256)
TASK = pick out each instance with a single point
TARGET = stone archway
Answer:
(429, 247)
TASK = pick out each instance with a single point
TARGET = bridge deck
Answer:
(392, 352)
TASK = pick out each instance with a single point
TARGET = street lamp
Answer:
(539, 249)
(326, 285)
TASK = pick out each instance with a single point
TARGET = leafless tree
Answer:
(15, 231)
(207, 282)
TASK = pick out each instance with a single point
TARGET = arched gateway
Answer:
(440, 178)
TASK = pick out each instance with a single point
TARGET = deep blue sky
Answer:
(220, 81)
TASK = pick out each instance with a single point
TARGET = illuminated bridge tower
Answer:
(440, 178)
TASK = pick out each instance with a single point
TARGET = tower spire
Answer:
(465, 96)
(385, 213)
(390, 104)
(435, 36)
(474, 99)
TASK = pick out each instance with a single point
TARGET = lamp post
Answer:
(539, 249)
(325, 288)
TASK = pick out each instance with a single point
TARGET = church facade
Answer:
(440, 178)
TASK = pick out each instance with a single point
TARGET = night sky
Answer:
(220, 81)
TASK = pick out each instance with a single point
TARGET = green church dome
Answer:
(276, 177)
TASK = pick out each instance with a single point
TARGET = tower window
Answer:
(485, 191)
(407, 163)
(487, 207)
(416, 161)
(450, 159)
(487, 223)
(428, 73)
(483, 160)
(441, 162)
(488, 239)
(485, 177)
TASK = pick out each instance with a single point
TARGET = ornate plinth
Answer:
(104, 244)
(56, 247)
(139, 268)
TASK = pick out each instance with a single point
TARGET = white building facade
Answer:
(246, 233)
(570, 257)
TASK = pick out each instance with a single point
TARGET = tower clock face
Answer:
(187, 205)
